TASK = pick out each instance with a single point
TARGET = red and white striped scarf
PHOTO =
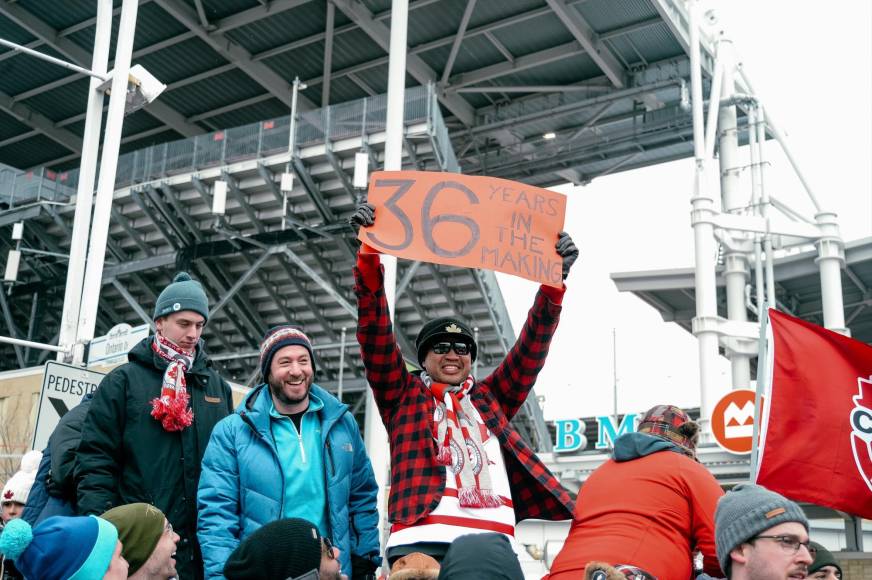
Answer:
(459, 445)
(171, 408)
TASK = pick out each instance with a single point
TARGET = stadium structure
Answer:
(270, 109)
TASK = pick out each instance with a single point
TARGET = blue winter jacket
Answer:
(242, 488)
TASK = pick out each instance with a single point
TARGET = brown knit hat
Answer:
(415, 566)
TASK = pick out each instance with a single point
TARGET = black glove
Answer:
(566, 249)
(362, 568)
(363, 216)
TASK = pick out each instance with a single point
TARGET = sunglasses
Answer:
(328, 547)
(460, 348)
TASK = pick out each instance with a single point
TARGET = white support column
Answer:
(106, 180)
(754, 153)
(831, 258)
(705, 323)
(735, 262)
(85, 188)
(375, 436)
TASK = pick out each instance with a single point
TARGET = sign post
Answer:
(63, 387)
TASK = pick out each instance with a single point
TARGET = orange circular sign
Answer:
(733, 421)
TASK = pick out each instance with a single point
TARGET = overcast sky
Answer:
(811, 63)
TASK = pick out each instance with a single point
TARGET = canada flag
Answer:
(816, 433)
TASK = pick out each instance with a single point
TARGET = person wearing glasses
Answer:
(290, 449)
(287, 549)
(761, 535)
(148, 541)
(825, 566)
(457, 465)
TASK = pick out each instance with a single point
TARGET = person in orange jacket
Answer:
(648, 509)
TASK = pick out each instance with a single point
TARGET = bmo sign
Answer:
(571, 432)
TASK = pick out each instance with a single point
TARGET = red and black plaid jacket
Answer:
(406, 407)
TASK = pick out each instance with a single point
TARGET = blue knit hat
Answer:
(60, 548)
(278, 337)
(183, 294)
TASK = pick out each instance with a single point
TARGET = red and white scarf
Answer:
(171, 408)
(459, 445)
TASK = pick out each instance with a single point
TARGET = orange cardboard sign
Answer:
(733, 421)
(470, 221)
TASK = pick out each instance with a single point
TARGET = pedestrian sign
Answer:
(732, 421)
(63, 387)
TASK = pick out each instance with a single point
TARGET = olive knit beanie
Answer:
(140, 526)
(183, 293)
(822, 557)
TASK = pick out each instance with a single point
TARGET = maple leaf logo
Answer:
(864, 399)
(453, 328)
(861, 434)
(8, 494)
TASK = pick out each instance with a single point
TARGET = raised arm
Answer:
(512, 380)
(385, 368)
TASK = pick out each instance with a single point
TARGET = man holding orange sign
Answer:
(457, 466)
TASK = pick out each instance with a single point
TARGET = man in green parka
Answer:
(150, 421)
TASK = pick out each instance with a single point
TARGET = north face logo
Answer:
(861, 436)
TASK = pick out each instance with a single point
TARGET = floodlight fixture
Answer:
(549, 135)
(287, 183)
(142, 88)
(17, 231)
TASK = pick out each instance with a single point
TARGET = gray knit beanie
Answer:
(183, 294)
(746, 511)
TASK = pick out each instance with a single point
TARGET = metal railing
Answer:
(343, 121)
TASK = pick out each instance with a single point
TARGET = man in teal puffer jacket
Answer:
(291, 449)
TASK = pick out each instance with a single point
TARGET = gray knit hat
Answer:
(746, 511)
(183, 294)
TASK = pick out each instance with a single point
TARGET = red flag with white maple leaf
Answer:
(816, 443)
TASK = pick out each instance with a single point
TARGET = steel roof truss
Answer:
(269, 179)
(240, 282)
(13, 330)
(324, 284)
(248, 331)
(134, 235)
(252, 15)
(172, 196)
(584, 34)
(415, 65)
(520, 63)
(336, 164)
(165, 212)
(232, 51)
(140, 201)
(312, 189)
(40, 122)
(458, 39)
(132, 302)
(304, 293)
